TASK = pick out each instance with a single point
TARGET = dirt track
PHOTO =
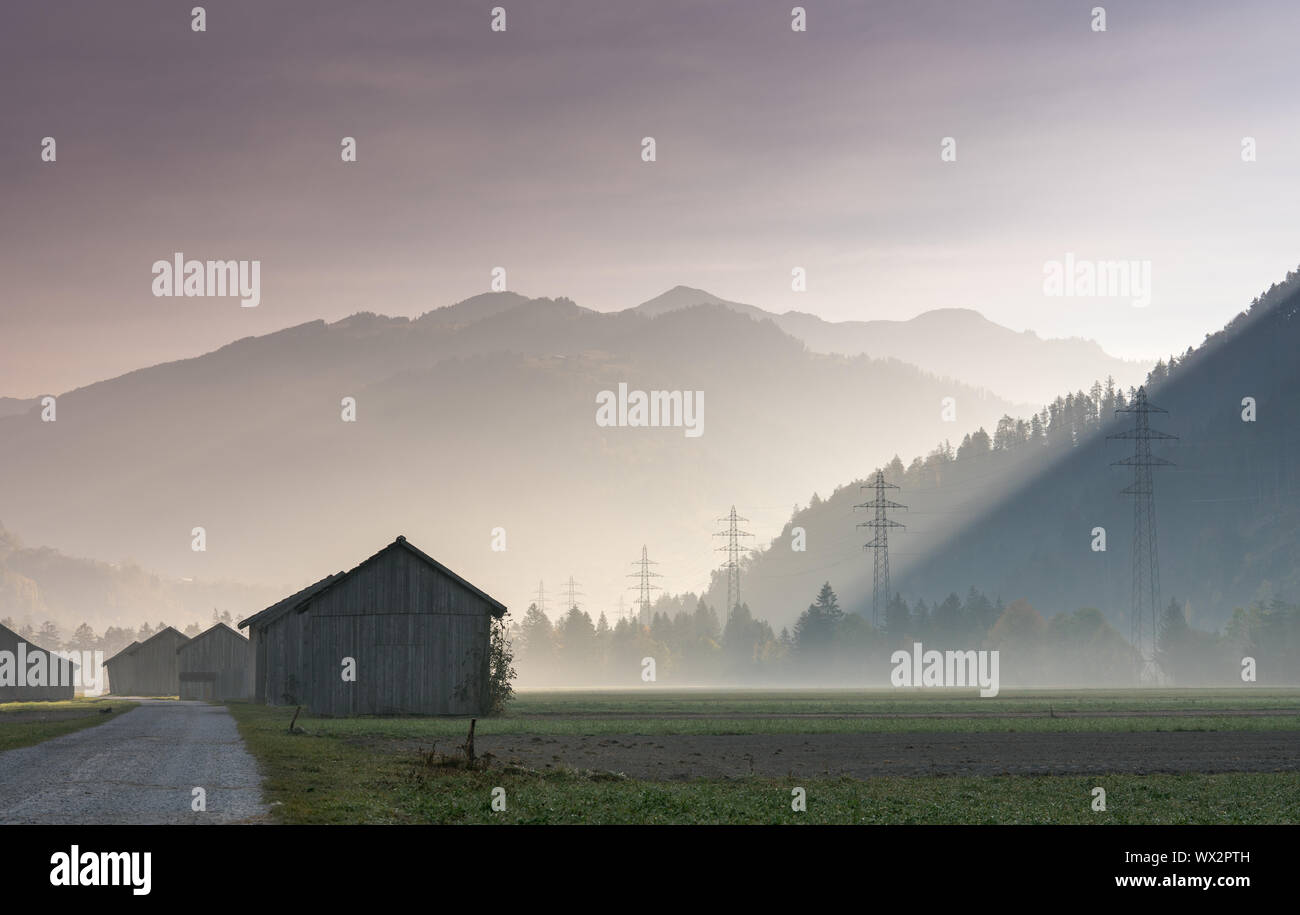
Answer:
(140, 767)
(673, 757)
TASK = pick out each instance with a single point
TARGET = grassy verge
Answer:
(333, 774)
(25, 723)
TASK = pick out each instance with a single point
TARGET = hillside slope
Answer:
(1019, 523)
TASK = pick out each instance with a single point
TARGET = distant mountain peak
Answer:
(475, 308)
(956, 342)
(493, 304)
(680, 297)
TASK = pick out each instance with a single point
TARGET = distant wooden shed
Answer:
(215, 665)
(119, 668)
(417, 635)
(29, 673)
(147, 668)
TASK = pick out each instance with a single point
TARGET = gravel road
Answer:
(140, 767)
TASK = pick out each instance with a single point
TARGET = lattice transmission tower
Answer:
(571, 589)
(880, 542)
(643, 587)
(733, 549)
(1146, 564)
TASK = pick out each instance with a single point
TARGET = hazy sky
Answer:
(522, 149)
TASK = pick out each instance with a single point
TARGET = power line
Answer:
(732, 565)
(880, 543)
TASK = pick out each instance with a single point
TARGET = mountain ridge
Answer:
(462, 426)
(952, 341)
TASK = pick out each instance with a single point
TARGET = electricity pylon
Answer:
(643, 587)
(880, 543)
(571, 588)
(1146, 564)
(540, 600)
(733, 549)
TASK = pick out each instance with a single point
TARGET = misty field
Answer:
(740, 712)
(735, 756)
(717, 702)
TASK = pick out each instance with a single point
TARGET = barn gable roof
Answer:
(215, 629)
(495, 606)
(279, 608)
(159, 634)
(8, 635)
(299, 600)
(129, 649)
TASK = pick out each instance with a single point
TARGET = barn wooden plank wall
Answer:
(55, 667)
(121, 668)
(149, 668)
(215, 665)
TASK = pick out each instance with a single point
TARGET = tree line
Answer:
(688, 644)
(114, 638)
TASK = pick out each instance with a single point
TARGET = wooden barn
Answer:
(29, 673)
(215, 665)
(119, 669)
(417, 632)
(147, 668)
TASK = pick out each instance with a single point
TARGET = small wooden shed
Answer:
(147, 668)
(413, 634)
(215, 665)
(119, 669)
(29, 673)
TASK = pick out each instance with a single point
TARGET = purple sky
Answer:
(521, 149)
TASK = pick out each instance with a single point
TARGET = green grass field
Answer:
(654, 713)
(632, 703)
(369, 770)
(25, 723)
(443, 728)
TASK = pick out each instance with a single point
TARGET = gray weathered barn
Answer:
(418, 634)
(215, 665)
(20, 662)
(147, 668)
(119, 668)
